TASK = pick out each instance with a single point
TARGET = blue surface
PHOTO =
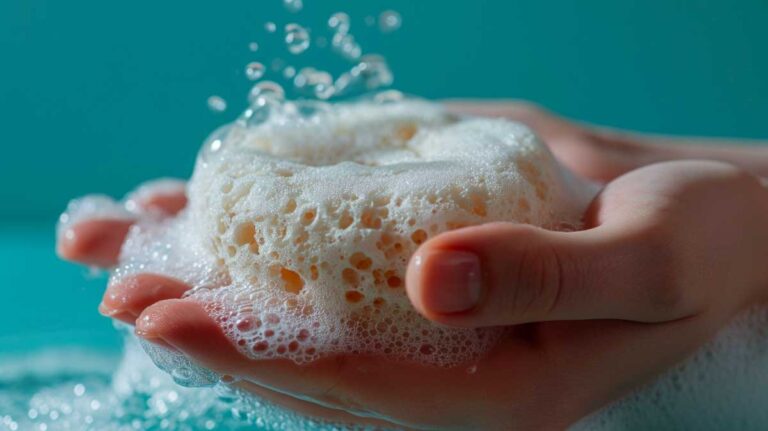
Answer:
(46, 301)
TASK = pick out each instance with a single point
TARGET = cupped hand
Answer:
(669, 254)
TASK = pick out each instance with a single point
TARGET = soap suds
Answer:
(298, 233)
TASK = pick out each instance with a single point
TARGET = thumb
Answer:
(662, 242)
(504, 273)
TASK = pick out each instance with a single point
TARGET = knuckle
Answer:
(661, 266)
(534, 281)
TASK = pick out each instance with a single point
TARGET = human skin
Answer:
(672, 249)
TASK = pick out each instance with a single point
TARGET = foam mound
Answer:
(311, 223)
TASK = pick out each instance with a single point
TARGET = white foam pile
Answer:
(308, 225)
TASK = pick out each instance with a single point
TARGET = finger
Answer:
(645, 256)
(164, 196)
(94, 242)
(188, 327)
(330, 415)
(504, 274)
(364, 385)
(586, 150)
(96, 239)
(127, 298)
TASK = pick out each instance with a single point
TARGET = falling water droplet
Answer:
(339, 23)
(297, 38)
(293, 5)
(217, 104)
(289, 72)
(254, 70)
(389, 21)
(267, 90)
(315, 82)
(270, 27)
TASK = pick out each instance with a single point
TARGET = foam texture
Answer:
(298, 233)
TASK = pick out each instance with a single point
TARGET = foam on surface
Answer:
(298, 231)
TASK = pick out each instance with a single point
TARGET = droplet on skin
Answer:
(254, 70)
(389, 21)
(297, 38)
(217, 104)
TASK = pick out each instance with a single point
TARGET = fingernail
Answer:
(454, 281)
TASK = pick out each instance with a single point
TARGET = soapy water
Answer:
(80, 390)
(723, 386)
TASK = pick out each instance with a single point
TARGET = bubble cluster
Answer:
(292, 266)
(81, 390)
(296, 38)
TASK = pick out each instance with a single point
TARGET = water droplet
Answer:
(375, 71)
(389, 21)
(277, 65)
(289, 72)
(293, 5)
(79, 390)
(270, 27)
(254, 70)
(266, 90)
(339, 23)
(297, 38)
(347, 46)
(217, 104)
(253, 46)
(388, 96)
(318, 83)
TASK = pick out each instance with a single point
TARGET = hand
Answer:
(671, 252)
(602, 154)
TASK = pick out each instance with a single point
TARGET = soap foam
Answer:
(298, 233)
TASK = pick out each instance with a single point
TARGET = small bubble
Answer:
(79, 390)
(339, 23)
(289, 72)
(293, 5)
(277, 65)
(388, 96)
(389, 21)
(254, 70)
(253, 46)
(297, 38)
(266, 89)
(318, 83)
(217, 104)
(270, 27)
(347, 46)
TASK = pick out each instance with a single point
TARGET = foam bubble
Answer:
(299, 228)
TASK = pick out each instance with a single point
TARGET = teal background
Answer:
(97, 96)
